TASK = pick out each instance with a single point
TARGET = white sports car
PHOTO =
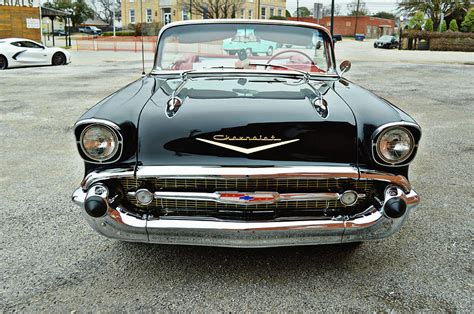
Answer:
(17, 52)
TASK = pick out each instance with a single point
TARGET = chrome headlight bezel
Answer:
(411, 129)
(81, 129)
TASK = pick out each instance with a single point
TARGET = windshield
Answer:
(385, 38)
(244, 46)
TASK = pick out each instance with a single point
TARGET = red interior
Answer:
(297, 62)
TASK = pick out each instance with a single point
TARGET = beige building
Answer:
(166, 11)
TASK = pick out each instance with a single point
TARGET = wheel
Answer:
(3, 63)
(248, 51)
(270, 51)
(231, 52)
(375, 45)
(59, 59)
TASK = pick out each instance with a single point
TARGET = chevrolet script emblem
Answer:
(247, 150)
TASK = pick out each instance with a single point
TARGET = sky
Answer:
(374, 6)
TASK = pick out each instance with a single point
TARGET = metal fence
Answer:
(118, 43)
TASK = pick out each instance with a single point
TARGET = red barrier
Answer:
(118, 43)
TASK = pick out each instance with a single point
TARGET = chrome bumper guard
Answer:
(373, 223)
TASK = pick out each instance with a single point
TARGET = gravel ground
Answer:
(53, 261)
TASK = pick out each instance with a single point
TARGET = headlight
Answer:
(99, 142)
(395, 145)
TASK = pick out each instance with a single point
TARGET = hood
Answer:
(245, 122)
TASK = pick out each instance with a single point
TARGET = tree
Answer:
(453, 26)
(303, 12)
(287, 13)
(429, 25)
(385, 15)
(417, 20)
(327, 10)
(432, 8)
(79, 8)
(357, 7)
(216, 9)
(467, 24)
(443, 26)
(105, 9)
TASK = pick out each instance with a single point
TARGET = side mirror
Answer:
(345, 66)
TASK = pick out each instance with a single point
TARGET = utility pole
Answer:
(332, 18)
(113, 15)
(297, 10)
(357, 16)
(258, 10)
(190, 9)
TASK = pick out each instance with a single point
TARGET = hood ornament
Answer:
(174, 103)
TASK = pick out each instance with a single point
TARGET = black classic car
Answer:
(386, 41)
(245, 150)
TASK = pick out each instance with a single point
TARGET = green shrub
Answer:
(443, 26)
(416, 20)
(468, 24)
(277, 17)
(429, 25)
(453, 26)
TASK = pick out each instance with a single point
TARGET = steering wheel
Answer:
(290, 51)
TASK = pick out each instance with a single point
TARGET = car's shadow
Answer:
(155, 260)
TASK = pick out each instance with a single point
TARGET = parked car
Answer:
(247, 40)
(336, 37)
(386, 41)
(59, 33)
(245, 151)
(17, 52)
(92, 30)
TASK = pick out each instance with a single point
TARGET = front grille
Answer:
(248, 185)
(293, 209)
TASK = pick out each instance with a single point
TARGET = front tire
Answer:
(270, 51)
(3, 63)
(58, 59)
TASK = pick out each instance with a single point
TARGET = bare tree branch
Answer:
(216, 9)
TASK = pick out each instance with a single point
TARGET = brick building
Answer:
(19, 19)
(371, 27)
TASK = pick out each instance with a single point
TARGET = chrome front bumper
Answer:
(373, 223)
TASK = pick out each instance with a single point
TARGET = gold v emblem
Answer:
(247, 150)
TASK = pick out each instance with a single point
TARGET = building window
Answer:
(185, 13)
(263, 15)
(348, 23)
(250, 14)
(149, 18)
(280, 12)
(272, 12)
(132, 16)
(242, 13)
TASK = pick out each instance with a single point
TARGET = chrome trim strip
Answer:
(273, 197)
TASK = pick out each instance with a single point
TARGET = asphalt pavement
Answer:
(53, 261)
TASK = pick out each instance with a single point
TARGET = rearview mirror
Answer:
(345, 66)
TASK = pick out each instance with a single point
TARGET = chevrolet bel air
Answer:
(244, 150)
